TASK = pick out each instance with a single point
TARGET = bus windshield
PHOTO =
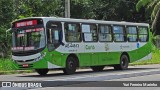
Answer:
(28, 39)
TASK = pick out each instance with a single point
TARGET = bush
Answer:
(5, 64)
(5, 43)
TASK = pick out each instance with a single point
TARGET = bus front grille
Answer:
(25, 61)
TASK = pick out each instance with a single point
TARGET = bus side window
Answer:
(143, 34)
(118, 33)
(132, 34)
(89, 32)
(72, 32)
(105, 33)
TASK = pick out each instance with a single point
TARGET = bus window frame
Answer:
(132, 34)
(90, 32)
(79, 32)
(106, 33)
(143, 34)
(124, 30)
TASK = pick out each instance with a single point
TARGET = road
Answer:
(134, 73)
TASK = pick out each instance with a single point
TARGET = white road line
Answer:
(100, 75)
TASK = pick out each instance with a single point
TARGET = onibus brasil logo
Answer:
(21, 84)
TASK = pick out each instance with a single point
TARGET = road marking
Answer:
(135, 78)
(106, 74)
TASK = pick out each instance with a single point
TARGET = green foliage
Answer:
(151, 6)
(6, 13)
(81, 9)
(5, 64)
(32, 8)
(117, 10)
(152, 11)
(155, 10)
(7, 68)
(142, 3)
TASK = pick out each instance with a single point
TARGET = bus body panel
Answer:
(58, 58)
(89, 53)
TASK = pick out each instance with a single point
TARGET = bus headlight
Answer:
(37, 59)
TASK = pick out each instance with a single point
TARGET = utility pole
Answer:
(67, 8)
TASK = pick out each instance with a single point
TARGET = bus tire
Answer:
(124, 61)
(71, 65)
(42, 72)
(97, 68)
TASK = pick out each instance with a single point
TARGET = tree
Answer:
(82, 9)
(35, 8)
(117, 10)
(6, 17)
(152, 10)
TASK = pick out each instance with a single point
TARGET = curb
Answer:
(15, 72)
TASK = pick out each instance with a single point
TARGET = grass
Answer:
(6, 67)
(5, 64)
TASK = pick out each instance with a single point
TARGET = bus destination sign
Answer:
(26, 23)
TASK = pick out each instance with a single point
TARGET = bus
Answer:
(44, 43)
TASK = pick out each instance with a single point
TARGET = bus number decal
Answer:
(72, 45)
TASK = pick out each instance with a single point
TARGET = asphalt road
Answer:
(87, 76)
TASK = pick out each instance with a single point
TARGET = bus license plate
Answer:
(25, 65)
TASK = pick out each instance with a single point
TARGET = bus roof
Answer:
(88, 21)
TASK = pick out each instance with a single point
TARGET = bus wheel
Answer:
(42, 71)
(97, 68)
(124, 61)
(71, 66)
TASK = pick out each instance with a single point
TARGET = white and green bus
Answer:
(44, 43)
